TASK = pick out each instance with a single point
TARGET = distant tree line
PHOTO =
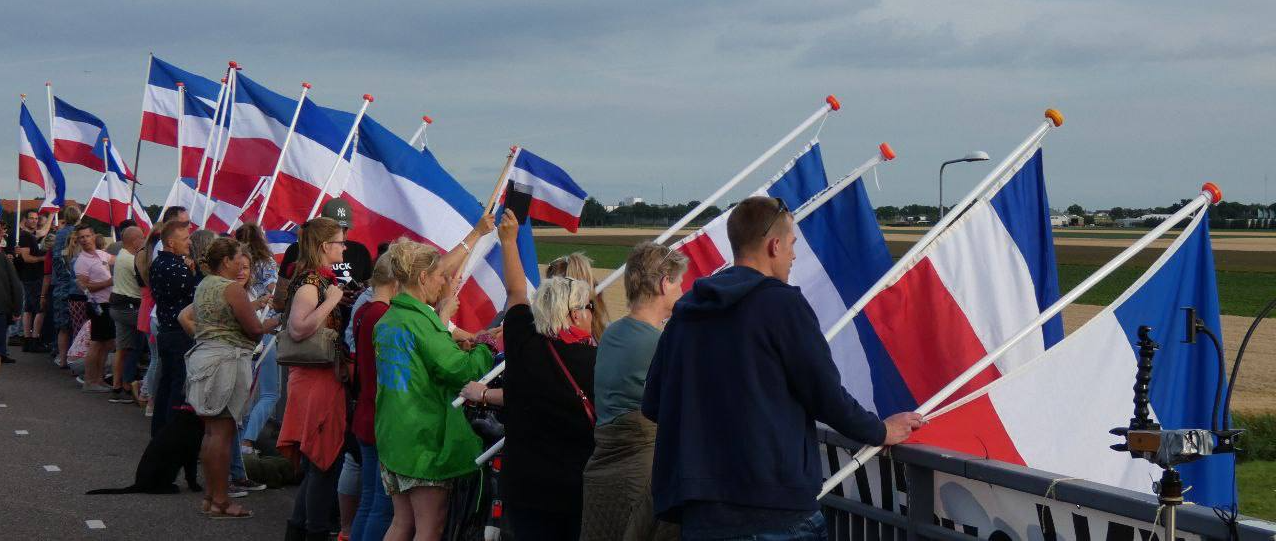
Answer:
(597, 215)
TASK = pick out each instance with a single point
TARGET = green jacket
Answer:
(420, 370)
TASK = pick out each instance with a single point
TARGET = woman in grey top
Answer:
(618, 476)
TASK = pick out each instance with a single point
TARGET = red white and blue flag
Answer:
(110, 203)
(279, 240)
(1058, 408)
(77, 138)
(160, 101)
(555, 197)
(396, 190)
(260, 120)
(36, 163)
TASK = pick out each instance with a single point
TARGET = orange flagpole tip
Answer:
(833, 103)
(888, 153)
(179, 83)
(305, 85)
(106, 140)
(513, 149)
(1055, 116)
(23, 96)
(1216, 194)
(233, 64)
(367, 97)
(223, 80)
(427, 119)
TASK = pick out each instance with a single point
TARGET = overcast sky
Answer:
(627, 97)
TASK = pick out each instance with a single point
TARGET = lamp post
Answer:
(976, 156)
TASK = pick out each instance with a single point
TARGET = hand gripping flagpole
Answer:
(420, 133)
(1053, 120)
(485, 243)
(831, 104)
(341, 156)
(1210, 195)
(137, 154)
(274, 174)
(223, 139)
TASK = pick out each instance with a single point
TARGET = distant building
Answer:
(1061, 219)
(1131, 222)
(628, 201)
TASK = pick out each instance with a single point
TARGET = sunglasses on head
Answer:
(780, 210)
(588, 306)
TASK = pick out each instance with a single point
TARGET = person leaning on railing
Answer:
(739, 378)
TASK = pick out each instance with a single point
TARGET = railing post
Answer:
(921, 499)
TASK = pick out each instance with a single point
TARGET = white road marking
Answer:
(95, 524)
(21, 432)
(51, 467)
(4, 405)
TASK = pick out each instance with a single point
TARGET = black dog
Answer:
(175, 447)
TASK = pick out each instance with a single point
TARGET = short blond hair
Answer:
(646, 266)
(408, 259)
(554, 300)
(579, 266)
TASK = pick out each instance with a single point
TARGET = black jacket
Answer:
(740, 377)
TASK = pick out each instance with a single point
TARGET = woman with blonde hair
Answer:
(218, 368)
(264, 273)
(548, 395)
(617, 482)
(578, 266)
(424, 444)
(314, 425)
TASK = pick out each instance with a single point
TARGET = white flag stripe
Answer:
(547, 192)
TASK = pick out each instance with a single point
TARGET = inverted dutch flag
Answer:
(110, 203)
(77, 138)
(555, 197)
(261, 120)
(279, 241)
(396, 190)
(840, 254)
(160, 101)
(196, 128)
(36, 163)
(1058, 408)
(985, 278)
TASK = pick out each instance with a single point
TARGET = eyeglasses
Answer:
(588, 306)
(780, 210)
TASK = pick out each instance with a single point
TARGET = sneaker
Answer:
(5, 359)
(246, 484)
(79, 379)
(236, 492)
(150, 408)
(126, 398)
(96, 389)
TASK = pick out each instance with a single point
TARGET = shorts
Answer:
(401, 484)
(126, 332)
(31, 293)
(61, 313)
(103, 327)
(348, 483)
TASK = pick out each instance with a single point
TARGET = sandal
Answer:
(206, 505)
(223, 511)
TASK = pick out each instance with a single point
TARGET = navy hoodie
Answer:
(740, 376)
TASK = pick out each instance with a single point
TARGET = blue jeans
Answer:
(375, 509)
(813, 528)
(237, 459)
(267, 396)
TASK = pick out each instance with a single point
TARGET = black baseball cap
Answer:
(338, 209)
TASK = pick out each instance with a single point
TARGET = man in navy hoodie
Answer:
(740, 376)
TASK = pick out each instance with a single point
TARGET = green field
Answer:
(1256, 483)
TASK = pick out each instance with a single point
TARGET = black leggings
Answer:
(316, 497)
(536, 525)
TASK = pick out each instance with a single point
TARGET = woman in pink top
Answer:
(93, 275)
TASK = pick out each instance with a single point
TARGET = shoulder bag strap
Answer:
(584, 400)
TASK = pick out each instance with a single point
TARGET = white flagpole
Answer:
(261, 182)
(17, 209)
(341, 156)
(181, 119)
(485, 243)
(292, 127)
(137, 154)
(1210, 194)
(221, 108)
(110, 186)
(420, 133)
(1053, 120)
(223, 136)
(831, 104)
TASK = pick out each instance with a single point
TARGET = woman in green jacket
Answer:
(423, 442)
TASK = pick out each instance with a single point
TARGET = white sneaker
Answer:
(236, 493)
(150, 408)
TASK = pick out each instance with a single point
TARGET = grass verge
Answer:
(605, 256)
(1239, 293)
(1256, 487)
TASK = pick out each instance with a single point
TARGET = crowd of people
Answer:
(692, 416)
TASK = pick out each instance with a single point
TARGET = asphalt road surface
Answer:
(46, 423)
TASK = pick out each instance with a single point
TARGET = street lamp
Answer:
(976, 156)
